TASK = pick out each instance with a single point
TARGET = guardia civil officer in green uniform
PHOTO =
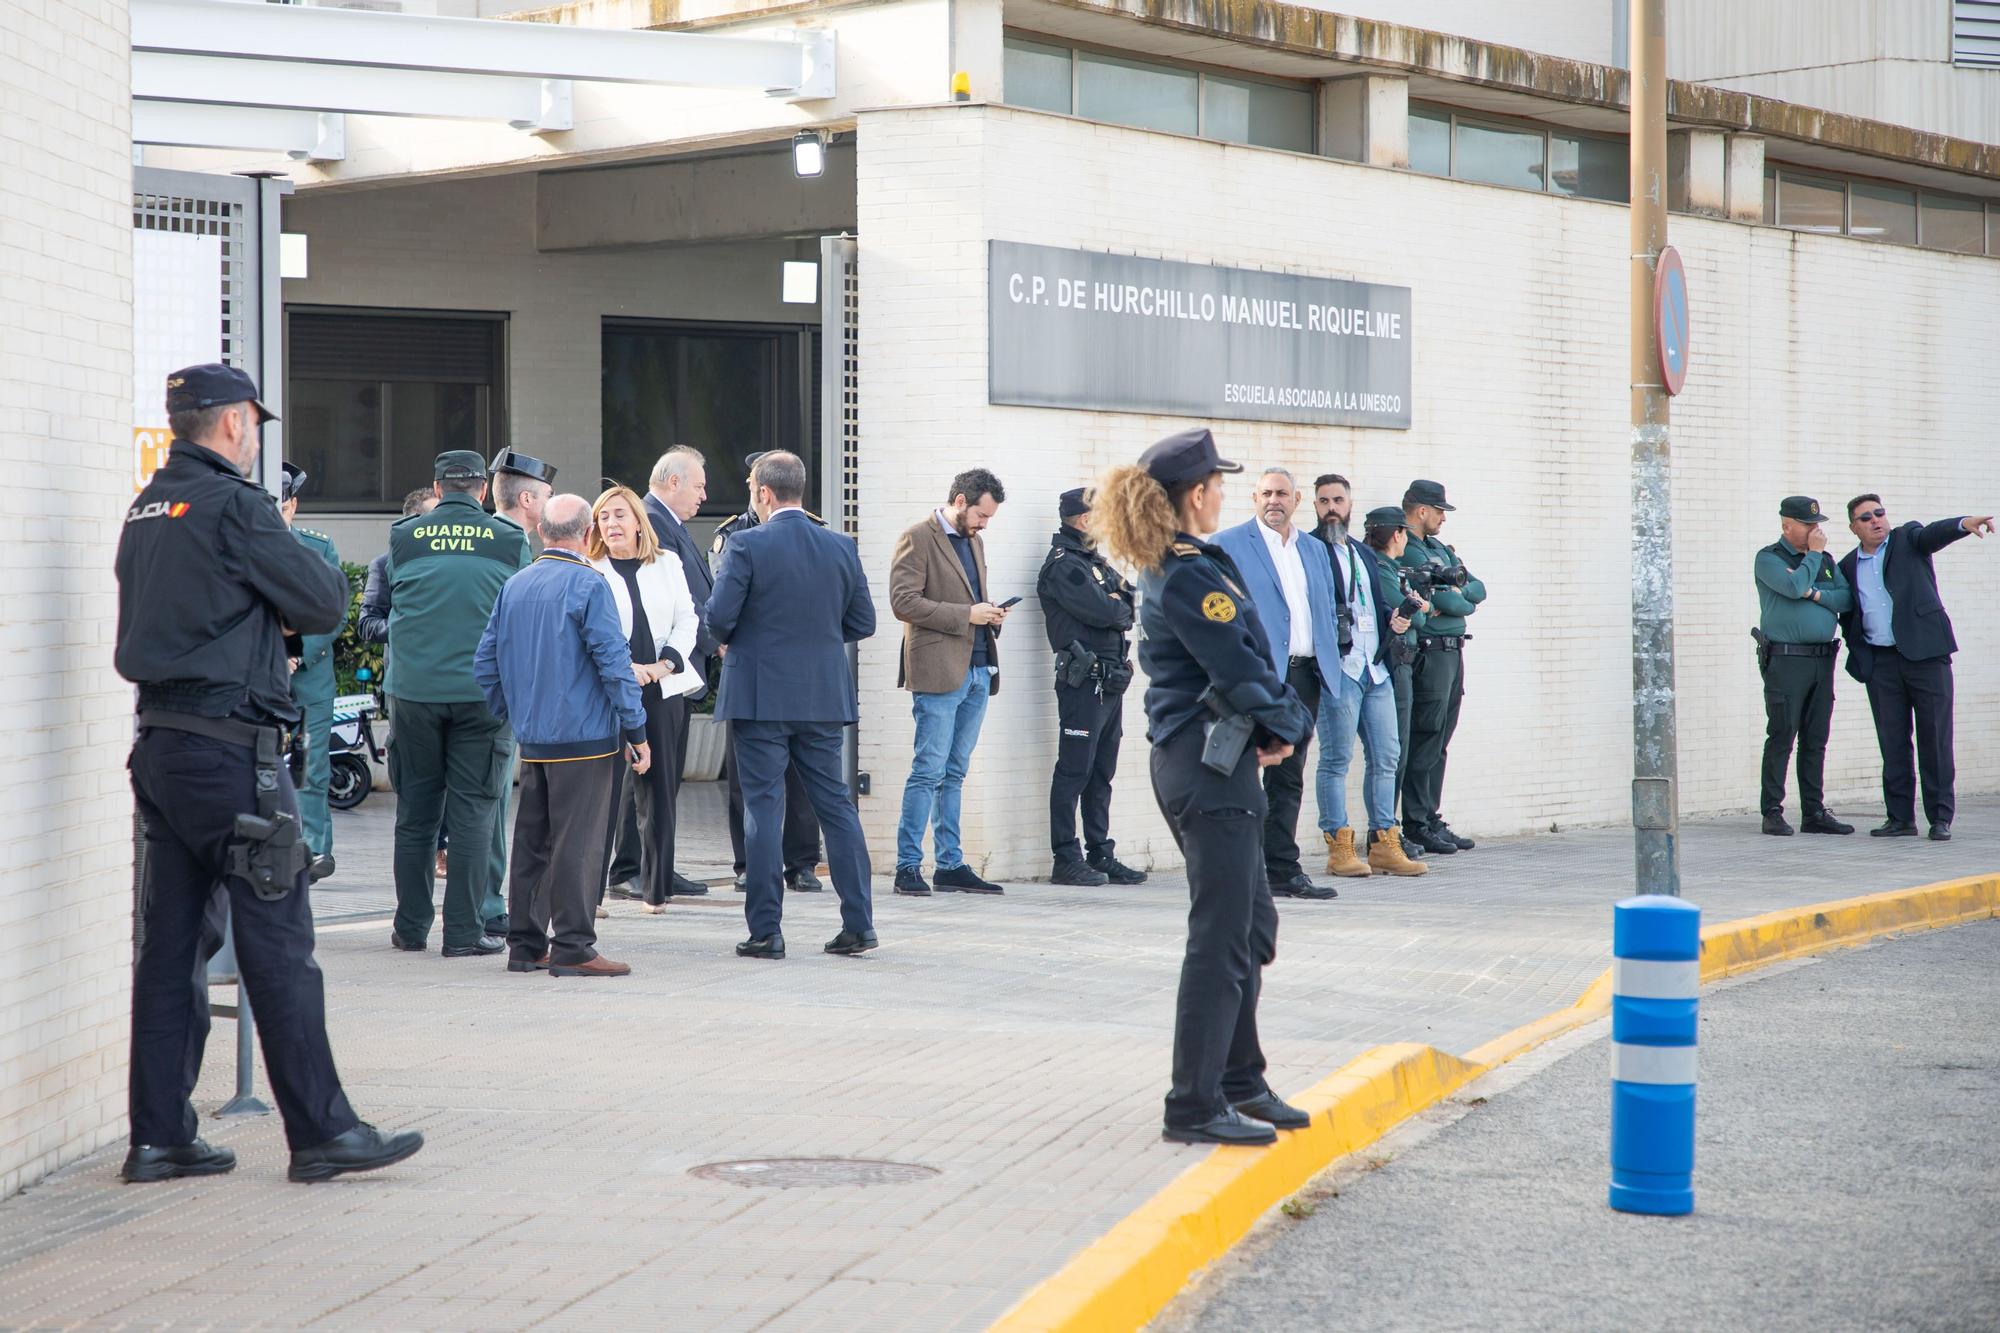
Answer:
(312, 691)
(1216, 712)
(1801, 595)
(1437, 679)
(448, 754)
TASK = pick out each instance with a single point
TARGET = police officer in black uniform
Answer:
(800, 845)
(211, 586)
(1087, 610)
(1216, 712)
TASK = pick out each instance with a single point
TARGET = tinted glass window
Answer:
(1953, 224)
(1130, 92)
(1037, 75)
(1265, 114)
(1430, 141)
(1884, 213)
(1498, 155)
(1810, 203)
(1591, 168)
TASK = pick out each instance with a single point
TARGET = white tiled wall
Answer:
(66, 449)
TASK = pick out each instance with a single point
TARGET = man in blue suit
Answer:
(789, 597)
(1289, 579)
(1899, 645)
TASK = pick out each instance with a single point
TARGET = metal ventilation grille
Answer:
(840, 381)
(1975, 33)
(205, 214)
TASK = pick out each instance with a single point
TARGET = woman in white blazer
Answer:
(659, 618)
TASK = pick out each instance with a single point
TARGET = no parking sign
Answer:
(1670, 318)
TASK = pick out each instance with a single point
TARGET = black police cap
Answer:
(524, 465)
(1189, 455)
(294, 482)
(1073, 503)
(1427, 493)
(212, 384)
(1800, 508)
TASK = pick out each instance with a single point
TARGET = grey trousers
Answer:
(560, 830)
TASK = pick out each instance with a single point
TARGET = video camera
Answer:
(1423, 579)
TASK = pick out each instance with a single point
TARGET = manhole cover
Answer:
(791, 1173)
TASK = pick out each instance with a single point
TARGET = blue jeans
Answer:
(1368, 707)
(947, 729)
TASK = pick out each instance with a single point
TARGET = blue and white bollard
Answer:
(1655, 993)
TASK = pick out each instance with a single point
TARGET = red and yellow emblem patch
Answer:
(1217, 607)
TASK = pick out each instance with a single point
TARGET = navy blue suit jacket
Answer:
(1245, 546)
(674, 536)
(789, 597)
(1918, 621)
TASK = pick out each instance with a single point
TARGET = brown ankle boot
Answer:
(1386, 854)
(1340, 855)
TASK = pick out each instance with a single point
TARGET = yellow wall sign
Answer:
(149, 453)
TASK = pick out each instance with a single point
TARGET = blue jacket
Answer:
(1916, 619)
(1252, 558)
(554, 662)
(789, 597)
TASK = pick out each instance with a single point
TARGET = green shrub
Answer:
(351, 655)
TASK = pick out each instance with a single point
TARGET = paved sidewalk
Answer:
(1846, 1177)
(1017, 1045)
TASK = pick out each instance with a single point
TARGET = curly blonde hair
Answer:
(1133, 518)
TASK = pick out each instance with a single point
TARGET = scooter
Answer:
(351, 747)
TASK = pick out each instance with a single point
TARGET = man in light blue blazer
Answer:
(1289, 579)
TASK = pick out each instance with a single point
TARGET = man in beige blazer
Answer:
(951, 666)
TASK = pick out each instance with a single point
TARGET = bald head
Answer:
(566, 522)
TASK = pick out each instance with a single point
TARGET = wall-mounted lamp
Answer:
(808, 153)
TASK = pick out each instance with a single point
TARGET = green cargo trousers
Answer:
(448, 762)
(315, 822)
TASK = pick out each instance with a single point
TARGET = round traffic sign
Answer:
(1670, 318)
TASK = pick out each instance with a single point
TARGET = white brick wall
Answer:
(1821, 365)
(66, 450)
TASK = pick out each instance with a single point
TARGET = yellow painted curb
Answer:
(1130, 1274)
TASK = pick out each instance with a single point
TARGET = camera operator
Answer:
(211, 586)
(1437, 681)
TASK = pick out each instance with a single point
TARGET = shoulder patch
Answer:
(715, 548)
(1185, 549)
(1217, 607)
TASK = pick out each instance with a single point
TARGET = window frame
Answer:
(1500, 121)
(1775, 171)
(1201, 71)
(497, 402)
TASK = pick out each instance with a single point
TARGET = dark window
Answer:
(373, 398)
(730, 390)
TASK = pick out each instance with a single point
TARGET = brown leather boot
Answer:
(1386, 854)
(599, 966)
(1340, 856)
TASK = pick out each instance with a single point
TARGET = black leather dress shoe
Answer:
(1115, 870)
(483, 947)
(771, 946)
(1230, 1127)
(321, 867)
(1298, 886)
(499, 926)
(683, 887)
(910, 882)
(1822, 821)
(848, 942)
(626, 888)
(1445, 830)
(144, 1164)
(1941, 831)
(742, 881)
(1893, 828)
(1078, 874)
(805, 881)
(1775, 825)
(1431, 843)
(363, 1148)
(397, 941)
(962, 879)
(1273, 1111)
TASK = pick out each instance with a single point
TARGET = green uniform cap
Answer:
(1801, 508)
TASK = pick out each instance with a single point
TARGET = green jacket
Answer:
(313, 681)
(1389, 587)
(1450, 605)
(1784, 577)
(444, 572)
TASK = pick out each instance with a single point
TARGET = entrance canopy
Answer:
(270, 77)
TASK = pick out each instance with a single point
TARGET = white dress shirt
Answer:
(1292, 582)
(1356, 571)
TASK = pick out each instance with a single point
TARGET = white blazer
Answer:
(670, 614)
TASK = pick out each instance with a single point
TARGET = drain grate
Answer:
(791, 1173)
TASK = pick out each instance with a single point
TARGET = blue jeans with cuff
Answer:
(1368, 707)
(947, 729)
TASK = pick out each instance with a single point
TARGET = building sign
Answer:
(1075, 328)
(176, 322)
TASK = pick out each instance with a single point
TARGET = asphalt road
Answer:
(1847, 1177)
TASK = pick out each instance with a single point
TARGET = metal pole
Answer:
(1655, 767)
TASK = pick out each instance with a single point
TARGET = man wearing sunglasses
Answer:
(1899, 645)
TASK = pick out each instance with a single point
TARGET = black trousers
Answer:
(1437, 687)
(801, 841)
(643, 837)
(1798, 705)
(561, 824)
(190, 790)
(768, 753)
(1284, 787)
(1232, 927)
(1400, 676)
(1092, 725)
(1900, 691)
